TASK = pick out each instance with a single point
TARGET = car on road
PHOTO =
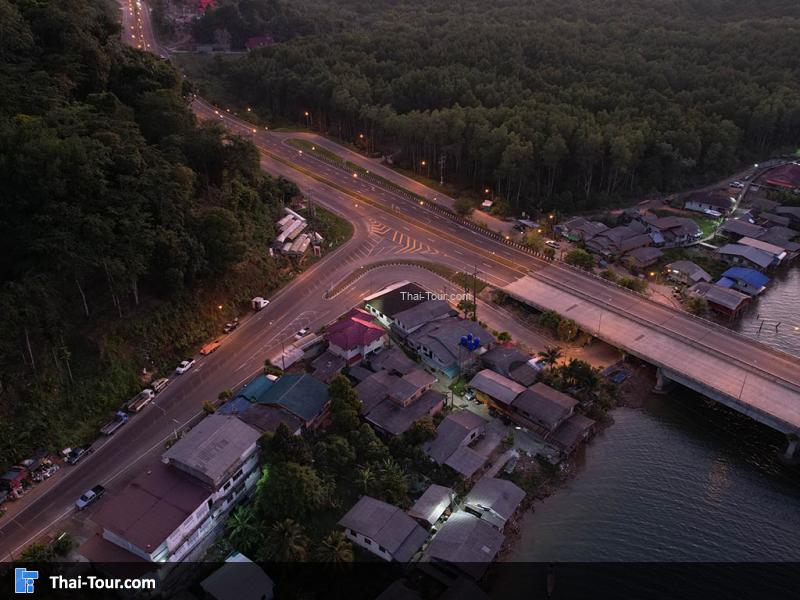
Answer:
(90, 496)
(302, 333)
(159, 384)
(553, 244)
(230, 326)
(258, 303)
(75, 455)
(141, 400)
(184, 366)
(736, 184)
(211, 347)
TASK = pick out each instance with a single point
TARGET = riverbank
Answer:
(675, 479)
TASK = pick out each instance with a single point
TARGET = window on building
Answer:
(237, 474)
(210, 503)
(226, 487)
(368, 541)
(382, 549)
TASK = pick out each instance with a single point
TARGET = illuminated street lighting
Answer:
(355, 175)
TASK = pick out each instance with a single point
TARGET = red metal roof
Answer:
(356, 330)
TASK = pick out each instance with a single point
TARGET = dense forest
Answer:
(124, 223)
(572, 104)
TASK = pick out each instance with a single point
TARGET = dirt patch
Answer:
(638, 388)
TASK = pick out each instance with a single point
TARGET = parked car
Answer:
(141, 400)
(258, 303)
(302, 333)
(211, 347)
(90, 496)
(184, 366)
(159, 384)
(230, 326)
(75, 455)
(553, 244)
(736, 184)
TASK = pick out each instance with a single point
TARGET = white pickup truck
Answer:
(141, 400)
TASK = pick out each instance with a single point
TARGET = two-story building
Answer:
(171, 507)
(355, 336)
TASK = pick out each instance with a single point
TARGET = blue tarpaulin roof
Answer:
(750, 276)
(726, 283)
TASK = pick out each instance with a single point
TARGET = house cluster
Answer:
(293, 237)
(538, 407)
(756, 241)
(171, 509)
(638, 240)
(438, 530)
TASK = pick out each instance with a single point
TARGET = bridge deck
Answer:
(765, 381)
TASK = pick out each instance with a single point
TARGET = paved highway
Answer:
(387, 226)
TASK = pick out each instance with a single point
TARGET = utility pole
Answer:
(442, 159)
(475, 294)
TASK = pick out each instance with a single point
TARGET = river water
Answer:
(680, 479)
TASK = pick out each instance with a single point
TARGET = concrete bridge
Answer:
(756, 380)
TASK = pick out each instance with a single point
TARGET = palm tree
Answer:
(551, 355)
(287, 542)
(242, 530)
(335, 549)
(365, 477)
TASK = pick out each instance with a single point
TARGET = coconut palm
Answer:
(243, 532)
(551, 355)
(335, 549)
(287, 542)
(365, 477)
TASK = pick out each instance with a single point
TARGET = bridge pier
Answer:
(663, 383)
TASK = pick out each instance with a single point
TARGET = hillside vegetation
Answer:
(124, 223)
(568, 104)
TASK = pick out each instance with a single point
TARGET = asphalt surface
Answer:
(388, 226)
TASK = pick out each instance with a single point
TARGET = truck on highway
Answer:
(120, 418)
(90, 496)
(141, 400)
